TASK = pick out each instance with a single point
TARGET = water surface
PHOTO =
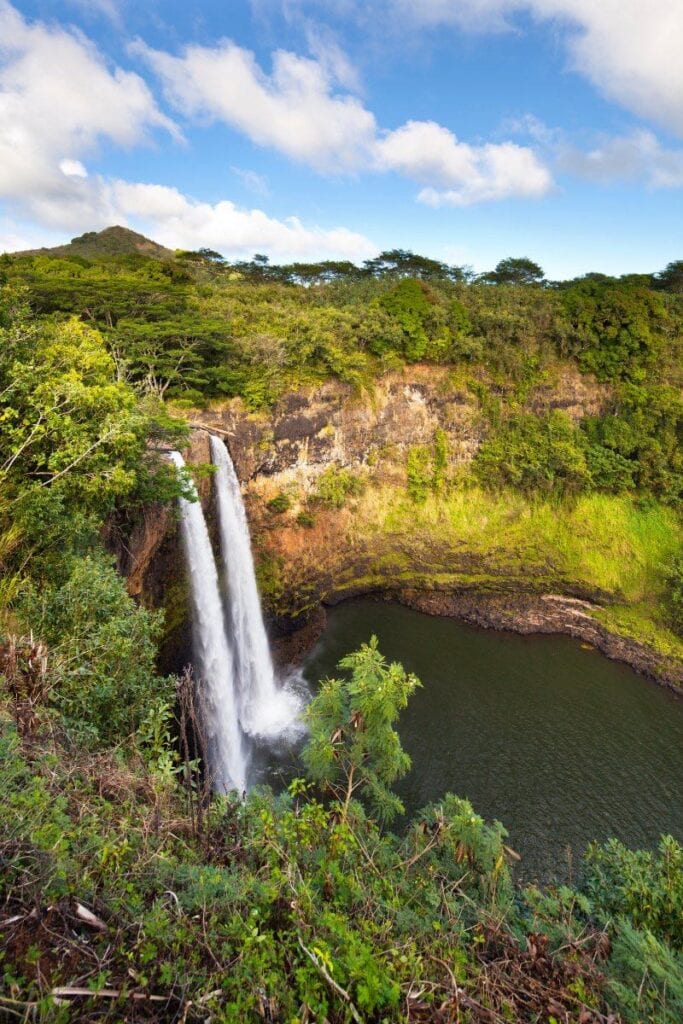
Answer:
(557, 742)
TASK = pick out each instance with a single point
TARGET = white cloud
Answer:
(106, 8)
(72, 168)
(295, 109)
(638, 157)
(459, 174)
(176, 220)
(629, 49)
(179, 221)
(58, 99)
(17, 235)
(329, 54)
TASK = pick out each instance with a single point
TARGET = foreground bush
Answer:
(125, 897)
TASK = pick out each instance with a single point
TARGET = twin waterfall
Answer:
(242, 701)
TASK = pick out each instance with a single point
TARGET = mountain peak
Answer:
(111, 241)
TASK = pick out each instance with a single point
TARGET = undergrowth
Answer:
(126, 895)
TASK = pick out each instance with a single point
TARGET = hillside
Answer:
(483, 448)
(113, 241)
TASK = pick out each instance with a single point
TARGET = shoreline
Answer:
(526, 614)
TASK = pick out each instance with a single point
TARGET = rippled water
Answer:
(557, 742)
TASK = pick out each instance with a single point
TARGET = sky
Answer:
(465, 130)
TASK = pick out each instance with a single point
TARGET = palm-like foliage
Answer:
(353, 745)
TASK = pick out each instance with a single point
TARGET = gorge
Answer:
(505, 563)
(543, 710)
(412, 447)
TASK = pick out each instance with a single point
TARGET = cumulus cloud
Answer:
(72, 168)
(58, 100)
(629, 49)
(176, 220)
(459, 174)
(295, 109)
(180, 221)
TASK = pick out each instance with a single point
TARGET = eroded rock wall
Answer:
(305, 560)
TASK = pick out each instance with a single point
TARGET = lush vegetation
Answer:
(127, 896)
(79, 448)
(126, 893)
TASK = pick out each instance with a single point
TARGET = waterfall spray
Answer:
(266, 710)
(214, 662)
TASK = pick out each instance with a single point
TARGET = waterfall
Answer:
(213, 657)
(266, 710)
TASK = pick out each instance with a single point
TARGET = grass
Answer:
(603, 542)
(600, 546)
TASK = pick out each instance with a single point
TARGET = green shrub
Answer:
(644, 978)
(674, 583)
(643, 887)
(440, 459)
(101, 648)
(335, 485)
(306, 519)
(535, 454)
(420, 473)
(280, 503)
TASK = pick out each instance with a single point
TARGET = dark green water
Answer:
(559, 743)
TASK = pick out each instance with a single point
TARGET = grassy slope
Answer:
(600, 545)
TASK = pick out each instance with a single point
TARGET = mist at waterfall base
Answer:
(245, 710)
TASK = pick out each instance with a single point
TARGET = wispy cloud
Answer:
(635, 156)
(629, 49)
(254, 182)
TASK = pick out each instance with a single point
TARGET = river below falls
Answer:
(556, 741)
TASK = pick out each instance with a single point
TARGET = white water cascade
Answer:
(214, 662)
(266, 710)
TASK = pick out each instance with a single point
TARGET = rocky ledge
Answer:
(548, 613)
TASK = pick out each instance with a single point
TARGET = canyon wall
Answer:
(311, 552)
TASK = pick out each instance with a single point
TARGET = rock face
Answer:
(306, 560)
(309, 430)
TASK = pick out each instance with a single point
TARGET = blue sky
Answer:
(468, 130)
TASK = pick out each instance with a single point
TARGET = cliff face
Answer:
(311, 551)
(309, 430)
(314, 552)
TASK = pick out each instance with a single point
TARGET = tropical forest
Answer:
(181, 843)
(341, 512)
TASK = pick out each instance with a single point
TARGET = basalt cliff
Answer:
(488, 563)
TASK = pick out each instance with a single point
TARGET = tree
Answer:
(515, 270)
(353, 746)
(404, 263)
(101, 649)
(409, 303)
(616, 329)
(73, 438)
(671, 278)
